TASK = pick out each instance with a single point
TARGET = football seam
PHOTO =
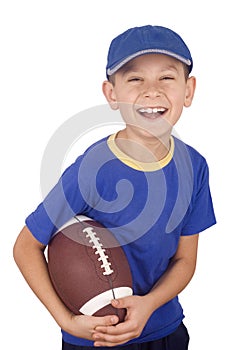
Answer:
(96, 244)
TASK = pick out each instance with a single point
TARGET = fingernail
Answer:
(113, 319)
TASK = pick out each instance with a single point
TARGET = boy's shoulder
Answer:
(94, 155)
(183, 147)
(93, 149)
(97, 144)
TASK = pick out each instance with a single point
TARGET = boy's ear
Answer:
(190, 90)
(109, 93)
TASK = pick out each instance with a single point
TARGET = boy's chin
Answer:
(158, 129)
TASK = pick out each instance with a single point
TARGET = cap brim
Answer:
(115, 68)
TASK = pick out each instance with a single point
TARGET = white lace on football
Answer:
(95, 241)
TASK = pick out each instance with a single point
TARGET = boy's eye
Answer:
(167, 77)
(134, 79)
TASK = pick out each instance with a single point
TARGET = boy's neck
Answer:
(147, 150)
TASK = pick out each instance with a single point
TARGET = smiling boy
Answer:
(150, 91)
(150, 189)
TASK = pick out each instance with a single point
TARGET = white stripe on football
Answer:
(104, 299)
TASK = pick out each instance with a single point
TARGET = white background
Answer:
(52, 62)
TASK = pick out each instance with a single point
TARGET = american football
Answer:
(88, 268)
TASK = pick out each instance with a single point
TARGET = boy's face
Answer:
(151, 91)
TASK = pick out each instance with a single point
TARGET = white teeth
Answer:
(151, 110)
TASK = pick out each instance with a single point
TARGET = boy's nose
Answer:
(152, 92)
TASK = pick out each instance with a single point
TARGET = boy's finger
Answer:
(107, 320)
(120, 303)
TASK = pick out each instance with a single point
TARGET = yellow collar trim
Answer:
(124, 158)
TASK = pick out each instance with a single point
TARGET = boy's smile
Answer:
(152, 112)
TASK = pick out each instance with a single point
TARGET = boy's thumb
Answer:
(117, 303)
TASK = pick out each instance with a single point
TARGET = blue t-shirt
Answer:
(147, 206)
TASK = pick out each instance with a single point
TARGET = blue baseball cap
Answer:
(143, 40)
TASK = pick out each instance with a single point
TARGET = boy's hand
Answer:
(83, 326)
(138, 313)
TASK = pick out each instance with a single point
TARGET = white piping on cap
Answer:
(142, 52)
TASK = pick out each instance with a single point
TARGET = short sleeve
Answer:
(62, 203)
(201, 214)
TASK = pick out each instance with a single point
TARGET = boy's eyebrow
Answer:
(127, 68)
(170, 67)
(131, 67)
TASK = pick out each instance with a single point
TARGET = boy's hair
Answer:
(143, 40)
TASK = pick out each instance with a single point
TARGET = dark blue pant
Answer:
(178, 340)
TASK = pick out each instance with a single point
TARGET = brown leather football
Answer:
(89, 268)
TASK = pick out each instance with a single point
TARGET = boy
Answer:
(145, 185)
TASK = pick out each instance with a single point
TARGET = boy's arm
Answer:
(179, 273)
(30, 258)
(140, 308)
